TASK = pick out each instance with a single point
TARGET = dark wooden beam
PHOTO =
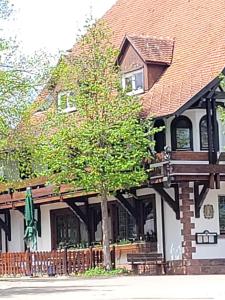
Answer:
(126, 205)
(173, 203)
(20, 209)
(8, 224)
(89, 220)
(200, 197)
(217, 181)
(214, 131)
(39, 221)
(219, 95)
(209, 131)
(78, 212)
(198, 169)
(3, 226)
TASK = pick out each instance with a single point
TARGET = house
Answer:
(172, 54)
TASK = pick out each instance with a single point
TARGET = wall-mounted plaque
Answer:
(206, 237)
(208, 211)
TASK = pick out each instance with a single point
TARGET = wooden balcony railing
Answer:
(170, 166)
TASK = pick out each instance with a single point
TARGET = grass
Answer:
(98, 271)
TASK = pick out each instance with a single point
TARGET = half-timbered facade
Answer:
(172, 55)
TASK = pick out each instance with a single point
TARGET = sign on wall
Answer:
(208, 211)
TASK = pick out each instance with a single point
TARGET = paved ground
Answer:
(128, 288)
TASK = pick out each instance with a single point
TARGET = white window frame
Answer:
(131, 74)
(68, 107)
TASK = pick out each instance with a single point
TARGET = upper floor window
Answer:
(66, 102)
(133, 82)
(203, 128)
(160, 137)
(181, 134)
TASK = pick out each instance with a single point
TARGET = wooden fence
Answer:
(51, 263)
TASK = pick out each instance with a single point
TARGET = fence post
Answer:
(91, 257)
(113, 257)
(28, 262)
(65, 269)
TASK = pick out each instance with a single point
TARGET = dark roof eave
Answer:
(194, 99)
(199, 95)
(163, 63)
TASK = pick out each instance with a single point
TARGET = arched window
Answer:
(181, 134)
(160, 137)
(203, 129)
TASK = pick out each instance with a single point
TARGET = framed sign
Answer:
(206, 237)
(208, 211)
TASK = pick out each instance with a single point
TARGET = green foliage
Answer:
(21, 77)
(98, 271)
(100, 147)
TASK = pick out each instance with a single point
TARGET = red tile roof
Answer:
(197, 26)
(152, 49)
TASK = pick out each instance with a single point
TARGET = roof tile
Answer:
(197, 27)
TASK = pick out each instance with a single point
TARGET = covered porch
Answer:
(70, 221)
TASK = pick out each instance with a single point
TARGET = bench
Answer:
(147, 259)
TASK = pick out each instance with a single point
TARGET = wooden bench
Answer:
(147, 259)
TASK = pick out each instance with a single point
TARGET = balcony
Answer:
(186, 166)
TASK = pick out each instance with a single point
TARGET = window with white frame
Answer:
(66, 101)
(133, 82)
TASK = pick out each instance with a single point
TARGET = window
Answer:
(65, 228)
(126, 224)
(149, 212)
(66, 102)
(133, 82)
(203, 133)
(222, 214)
(203, 128)
(160, 137)
(181, 134)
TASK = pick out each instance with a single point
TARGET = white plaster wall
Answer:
(17, 232)
(195, 116)
(44, 242)
(212, 225)
(173, 239)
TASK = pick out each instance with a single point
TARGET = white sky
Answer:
(52, 24)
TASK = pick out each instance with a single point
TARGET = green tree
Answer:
(21, 77)
(101, 146)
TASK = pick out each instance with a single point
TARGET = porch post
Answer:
(209, 130)
(89, 223)
(214, 130)
(187, 214)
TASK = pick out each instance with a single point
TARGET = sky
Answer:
(52, 25)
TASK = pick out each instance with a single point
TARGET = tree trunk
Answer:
(105, 232)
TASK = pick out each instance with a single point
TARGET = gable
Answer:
(131, 60)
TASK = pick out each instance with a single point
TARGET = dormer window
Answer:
(133, 82)
(142, 61)
(66, 102)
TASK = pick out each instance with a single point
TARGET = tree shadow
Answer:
(27, 290)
